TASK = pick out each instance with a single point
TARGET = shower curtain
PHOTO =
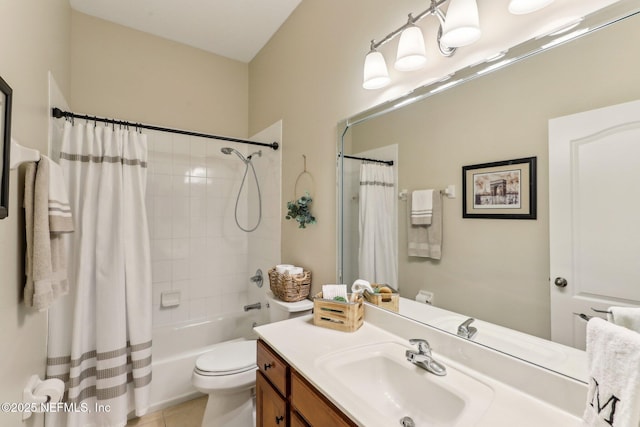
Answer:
(100, 337)
(378, 251)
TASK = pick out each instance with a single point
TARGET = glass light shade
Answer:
(376, 75)
(521, 7)
(462, 24)
(411, 52)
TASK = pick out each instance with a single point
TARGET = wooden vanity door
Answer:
(271, 410)
(594, 201)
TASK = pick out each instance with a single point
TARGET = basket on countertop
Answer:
(389, 301)
(341, 316)
(290, 288)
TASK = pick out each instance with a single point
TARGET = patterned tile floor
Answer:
(187, 414)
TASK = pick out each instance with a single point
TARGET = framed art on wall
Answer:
(500, 190)
(5, 138)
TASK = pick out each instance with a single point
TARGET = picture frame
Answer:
(500, 190)
(6, 96)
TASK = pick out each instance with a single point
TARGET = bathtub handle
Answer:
(267, 366)
(280, 418)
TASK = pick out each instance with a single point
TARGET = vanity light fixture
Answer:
(462, 24)
(522, 7)
(411, 53)
(376, 75)
(495, 66)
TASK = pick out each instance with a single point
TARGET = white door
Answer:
(594, 216)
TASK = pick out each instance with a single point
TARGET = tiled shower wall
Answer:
(196, 247)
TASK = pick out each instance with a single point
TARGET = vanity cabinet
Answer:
(285, 398)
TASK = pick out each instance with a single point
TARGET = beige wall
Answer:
(34, 38)
(123, 73)
(310, 75)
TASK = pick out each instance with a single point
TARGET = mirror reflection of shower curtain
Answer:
(100, 335)
(378, 257)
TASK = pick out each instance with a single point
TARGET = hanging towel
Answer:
(613, 358)
(47, 215)
(421, 207)
(628, 317)
(426, 240)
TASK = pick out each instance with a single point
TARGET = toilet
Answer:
(227, 373)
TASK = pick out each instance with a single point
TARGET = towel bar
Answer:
(20, 154)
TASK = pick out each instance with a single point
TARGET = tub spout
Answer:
(254, 306)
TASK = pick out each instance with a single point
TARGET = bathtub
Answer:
(176, 348)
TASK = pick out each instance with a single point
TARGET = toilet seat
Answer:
(228, 359)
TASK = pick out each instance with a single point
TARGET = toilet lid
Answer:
(233, 357)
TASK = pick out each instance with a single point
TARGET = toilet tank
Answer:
(280, 310)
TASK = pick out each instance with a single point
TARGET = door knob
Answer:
(560, 282)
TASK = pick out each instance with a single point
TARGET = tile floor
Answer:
(187, 414)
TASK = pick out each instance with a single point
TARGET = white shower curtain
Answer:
(378, 252)
(100, 342)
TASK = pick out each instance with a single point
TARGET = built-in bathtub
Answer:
(176, 348)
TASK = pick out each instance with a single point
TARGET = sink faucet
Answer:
(423, 358)
(466, 331)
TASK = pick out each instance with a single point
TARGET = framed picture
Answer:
(5, 147)
(500, 190)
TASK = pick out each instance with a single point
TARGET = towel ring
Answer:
(303, 173)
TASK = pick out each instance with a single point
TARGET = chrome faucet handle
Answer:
(423, 345)
(467, 331)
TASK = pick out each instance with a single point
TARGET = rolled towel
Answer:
(282, 268)
(361, 285)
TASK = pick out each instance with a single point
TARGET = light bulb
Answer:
(462, 24)
(376, 75)
(411, 52)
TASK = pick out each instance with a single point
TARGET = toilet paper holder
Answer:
(38, 393)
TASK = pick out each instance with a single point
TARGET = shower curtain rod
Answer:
(387, 162)
(58, 113)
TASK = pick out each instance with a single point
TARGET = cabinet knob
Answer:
(280, 418)
(267, 366)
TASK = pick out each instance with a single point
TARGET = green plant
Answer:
(300, 211)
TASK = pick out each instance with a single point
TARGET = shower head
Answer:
(229, 150)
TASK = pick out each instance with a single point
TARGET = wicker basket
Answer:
(384, 300)
(290, 288)
(341, 316)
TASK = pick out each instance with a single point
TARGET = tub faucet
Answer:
(254, 306)
(466, 331)
(424, 359)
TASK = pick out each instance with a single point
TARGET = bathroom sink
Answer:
(380, 377)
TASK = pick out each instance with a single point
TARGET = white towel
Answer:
(421, 207)
(629, 317)
(613, 358)
(426, 240)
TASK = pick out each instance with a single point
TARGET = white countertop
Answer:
(301, 343)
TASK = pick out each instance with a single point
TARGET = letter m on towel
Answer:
(613, 400)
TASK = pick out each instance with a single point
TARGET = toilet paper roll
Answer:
(361, 285)
(282, 268)
(295, 271)
(52, 389)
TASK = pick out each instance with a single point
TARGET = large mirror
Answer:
(494, 270)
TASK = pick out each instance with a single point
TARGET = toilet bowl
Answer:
(227, 373)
